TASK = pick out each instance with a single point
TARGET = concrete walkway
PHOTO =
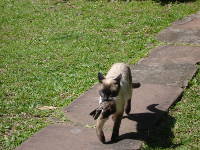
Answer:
(163, 75)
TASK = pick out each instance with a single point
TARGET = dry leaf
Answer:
(90, 126)
(47, 108)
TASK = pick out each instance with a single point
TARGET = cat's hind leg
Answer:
(128, 106)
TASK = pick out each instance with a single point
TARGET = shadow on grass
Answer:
(162, 2)
(166, 2)
(155, 132)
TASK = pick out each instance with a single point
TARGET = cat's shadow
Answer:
(153, 132)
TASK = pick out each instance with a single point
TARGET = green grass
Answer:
(50, 53)
(180, 129)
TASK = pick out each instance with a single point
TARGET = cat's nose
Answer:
(104, 99)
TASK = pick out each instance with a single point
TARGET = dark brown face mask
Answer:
(109, 95)
(109, 90)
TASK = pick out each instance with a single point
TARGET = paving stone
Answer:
(167, 74)
(78, 111)
(141, 104)
(183, 31)
(150, 102)
(65, 137)
(172, 55)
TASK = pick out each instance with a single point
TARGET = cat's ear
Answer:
(118, 78)
(100, 77)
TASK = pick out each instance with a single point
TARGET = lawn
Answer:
(51, 51)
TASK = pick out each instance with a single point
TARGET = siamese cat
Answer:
(115, 86)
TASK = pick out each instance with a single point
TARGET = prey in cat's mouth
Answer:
(105, 109)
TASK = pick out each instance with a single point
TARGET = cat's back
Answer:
(117, 69)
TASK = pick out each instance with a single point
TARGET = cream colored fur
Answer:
(125, 94)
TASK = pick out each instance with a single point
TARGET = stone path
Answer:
(183, 31)
(163, 75)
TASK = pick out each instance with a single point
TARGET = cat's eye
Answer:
(114, 94)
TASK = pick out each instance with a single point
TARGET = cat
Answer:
(115, 86)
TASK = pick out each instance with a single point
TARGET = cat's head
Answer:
(109, 87)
